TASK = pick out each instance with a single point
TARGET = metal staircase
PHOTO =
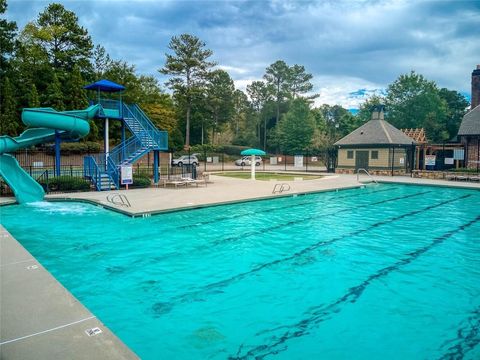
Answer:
(104, 172)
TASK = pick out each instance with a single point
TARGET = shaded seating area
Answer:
(182, 182)
(463, 177)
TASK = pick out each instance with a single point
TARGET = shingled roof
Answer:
(470, 123)
(375, 132)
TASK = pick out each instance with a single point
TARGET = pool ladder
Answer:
(280, 188)
(118, 199)
(366, 172)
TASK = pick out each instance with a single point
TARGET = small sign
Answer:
(280, 159)
(93, 331)
(298, 161)
(402, 160)
(126, 174)
(449, 161)
(209, 159)
(458, 154)
(430, 160)
(38, 164)
(314, 159)
(273, 160)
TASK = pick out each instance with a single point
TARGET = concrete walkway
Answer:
(220, 190)
(40, 319)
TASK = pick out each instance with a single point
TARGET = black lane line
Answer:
(212, 288)
(307, 218)
(468, 337)
(228, 217)
(244, 235)
(322, 313)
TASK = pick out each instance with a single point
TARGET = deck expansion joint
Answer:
(47, 331)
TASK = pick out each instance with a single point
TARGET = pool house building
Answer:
(377, 146)
(469, 131)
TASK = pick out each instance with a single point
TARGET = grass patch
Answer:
(268, 176)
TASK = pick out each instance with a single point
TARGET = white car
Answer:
(185, 160)
(246, 161)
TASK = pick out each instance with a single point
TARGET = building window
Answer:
(374, 155)
(350, 154)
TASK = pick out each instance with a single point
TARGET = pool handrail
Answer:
(368, 174)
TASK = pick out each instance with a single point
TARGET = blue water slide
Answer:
(44, 123)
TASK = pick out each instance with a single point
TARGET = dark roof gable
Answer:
(375, 132)
(470, 123)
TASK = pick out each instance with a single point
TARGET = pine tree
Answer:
(54, 95)
(33, 99)
(9, 120)
(189, 66)
(75, 97)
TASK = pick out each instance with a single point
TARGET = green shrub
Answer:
(65, 183)
(82, 147)
(234, 149)
(140, 181)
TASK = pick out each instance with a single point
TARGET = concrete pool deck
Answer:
(39, 319)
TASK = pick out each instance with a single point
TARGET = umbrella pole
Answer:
(252, 165)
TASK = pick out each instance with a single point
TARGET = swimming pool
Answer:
(382, 272)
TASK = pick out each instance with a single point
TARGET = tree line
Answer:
(48, 62)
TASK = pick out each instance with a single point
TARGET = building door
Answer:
(361, 160)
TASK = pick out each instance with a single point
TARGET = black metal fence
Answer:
(307, 162)
(40, 165)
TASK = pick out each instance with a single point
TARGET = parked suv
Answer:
(246, 161)
(185, 160)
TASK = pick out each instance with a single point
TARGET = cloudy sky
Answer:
(351, 47)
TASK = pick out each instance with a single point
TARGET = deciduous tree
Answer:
(413, 101)
(8, 30)
(9, 119)
(295, 130)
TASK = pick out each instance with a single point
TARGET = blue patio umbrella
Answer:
(253, 153)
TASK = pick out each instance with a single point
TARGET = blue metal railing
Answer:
(92, 171)
(123, 152)
(148, 130)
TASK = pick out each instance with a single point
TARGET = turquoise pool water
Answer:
(382, 272)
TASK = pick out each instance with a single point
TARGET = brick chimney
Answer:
(378, 110)
(476, 87)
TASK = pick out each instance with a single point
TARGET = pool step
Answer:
(106, 182)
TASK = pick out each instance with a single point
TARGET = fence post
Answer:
(223, 161)
(285, 161)
(205, 160)
(306, 162)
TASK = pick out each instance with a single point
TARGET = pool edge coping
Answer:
(199, 206)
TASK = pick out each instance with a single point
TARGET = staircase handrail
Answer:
(124, 148)
(157, 136)
(91, 170)
(147, 127)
